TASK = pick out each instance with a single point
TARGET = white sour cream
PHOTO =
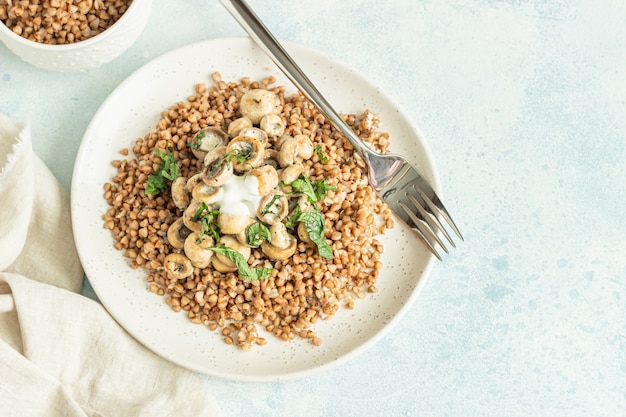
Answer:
(239, 196)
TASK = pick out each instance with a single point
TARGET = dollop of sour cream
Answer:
(239, 196)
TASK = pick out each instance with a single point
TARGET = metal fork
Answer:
(396, 181)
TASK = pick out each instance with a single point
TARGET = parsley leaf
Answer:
(315, 224)
(257, 233)
(292, 220)
(243, 268)
(321, 188)
(168, 170)
(320, 154)
(208, 222)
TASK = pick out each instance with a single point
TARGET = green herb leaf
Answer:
(315, 225)
(293, 220)
(168, 170)
(320, 154)
(269, 205)
(304, 186)
(256, 233)
(321, 188)
(196, 142)
(208, 222)
(243, 268)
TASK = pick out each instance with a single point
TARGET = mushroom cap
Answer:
(206, 193)
(213, 137)
(180, 195)
(288, 152)
(198, 249)
(233, 243)
(278, 209)
(193, 181)
(177, 233)
(216, 170)
(256, 103)
(233, 223)
(249, 146)
(238, 125)
(177, 265)
(282, 245)
(305, 146)
(266, 177)
(254, 132)
(273, 125)
(189, 213)
(270, 157)
(220, 266)
(291, 173)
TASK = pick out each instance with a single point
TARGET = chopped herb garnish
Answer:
(243, 268)
(208, 222)
(321, 188)
(269, 205)
(314, 190)
(315, 225)
(168, 170)
(196, 142)
(256, 233)
(292, 221)
(320, 154)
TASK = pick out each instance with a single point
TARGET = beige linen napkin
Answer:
(61, 354)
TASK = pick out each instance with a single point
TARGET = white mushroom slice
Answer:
(303, 234)
(178, 266)
(273, 125)
(197, 249)
(266, 179)
(273, 208)
(291, 173)
(248, 147)
(180, 195)
(193, 181)
(177, 233)
(282, 245)
(233, 243)
(221, 266)
(254, 132)
(206, 193)
(238, 125)
(217, 170)
(288, 152)
(257, 103)
(189, 213)
(271, 158)
(233, 223)
(305, 146)
(206, 140)
(279, 142)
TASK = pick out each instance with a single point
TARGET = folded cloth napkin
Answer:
(61, 354)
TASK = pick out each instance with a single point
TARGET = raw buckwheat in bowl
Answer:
(71, 35)
(227, 226)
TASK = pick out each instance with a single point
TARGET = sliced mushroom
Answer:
(221, 266)
(233, 243)
(273, 125)
(303, 234)
(178, 266)
(180, 195)
(257, 103)
(271, 158)
(282, 244)
(295, 149)
(177, 233)
(273, 208)
(216, 169)
(249, 147)
(193, 181)
(208, 139)
(189, 213)
(305, 146)
(279, 142)
(291, 173)
(266, 179)
(233, 223)
(238, 125)
(254, 132)
(197, 249)
(206, 193)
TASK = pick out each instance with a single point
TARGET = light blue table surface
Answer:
(523, 104)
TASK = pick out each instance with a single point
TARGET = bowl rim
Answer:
(74, 45)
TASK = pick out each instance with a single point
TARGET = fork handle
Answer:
(268, 44)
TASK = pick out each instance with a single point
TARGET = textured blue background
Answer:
(523, 104)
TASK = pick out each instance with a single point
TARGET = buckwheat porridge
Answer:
(248, 211)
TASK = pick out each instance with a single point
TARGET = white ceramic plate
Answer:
(131, 111)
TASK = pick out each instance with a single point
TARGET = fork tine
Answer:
(426, 218)
(422, 231)
(439, 208)
(431, 218)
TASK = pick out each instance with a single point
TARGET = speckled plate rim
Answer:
(132, 110)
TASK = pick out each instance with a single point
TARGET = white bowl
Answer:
(87, 54)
